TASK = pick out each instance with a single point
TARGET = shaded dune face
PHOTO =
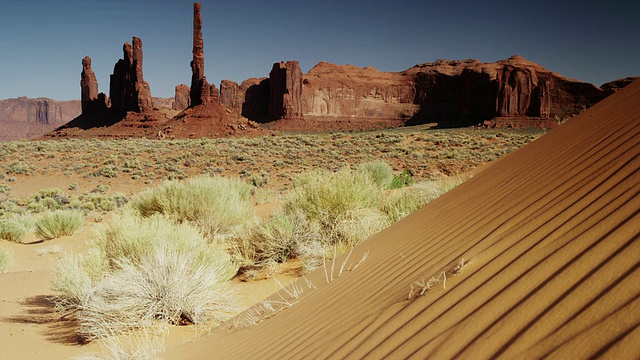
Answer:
(551, 240)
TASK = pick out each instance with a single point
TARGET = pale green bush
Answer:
(379, 172)
(14, 228)
(58, 223)
(6, 260)
(164, 286)
(217, 205)
(140, 270)
(324, 196)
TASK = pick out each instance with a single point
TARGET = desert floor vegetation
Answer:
(141, 270)
(178, 218)
(6, 260)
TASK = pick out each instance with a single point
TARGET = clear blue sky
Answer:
(42, 42)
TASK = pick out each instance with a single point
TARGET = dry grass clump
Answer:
(6, 260)
(14, 228)
(329, 213)
(217, 205)
(142, 270)
(379, 172)
(58, 223)
(324, 212)
(145, 344)
(324, 196)
(165, 286)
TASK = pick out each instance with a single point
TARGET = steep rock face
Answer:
(450, 92)
(181, 98)
(201, 92)
(285, 95)
(615, 85)
(128, 91)
(256, 98)
(349, 91)
(89, 96)
(22, 118)
(231, 96)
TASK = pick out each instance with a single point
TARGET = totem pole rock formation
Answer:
(128, 91)
(201, 93)
(91, 100)
(181, 98)
(285, 96)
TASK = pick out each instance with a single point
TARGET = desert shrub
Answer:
(140, 270)
(403, 202)
(74, 279)
(133, 237)
(259, 180)
(19, 168)
(144, 344)
(14, 228)
(325, 213)
(274, 239)
(217, 205)
(47, 199)
(324, 196)
(379, 172)
(354, 226)
(6, 260)
(403, 179)
(58, 223)
(165, 286)
(4, 188)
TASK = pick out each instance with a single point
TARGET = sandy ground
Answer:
(550, 237)
(29, 328)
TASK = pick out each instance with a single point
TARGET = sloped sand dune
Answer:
(550, 235)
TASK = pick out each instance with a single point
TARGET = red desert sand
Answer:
(550, 237)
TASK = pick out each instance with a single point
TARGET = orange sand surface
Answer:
(550, 241)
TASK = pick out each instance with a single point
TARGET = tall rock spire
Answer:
(201, 93)
(88, 85)
(91, 100)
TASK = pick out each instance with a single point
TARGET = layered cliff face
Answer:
(349, 91)
(22, 117)
(458, 92)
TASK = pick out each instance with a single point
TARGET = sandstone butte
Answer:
(512, 92)
(535, 256)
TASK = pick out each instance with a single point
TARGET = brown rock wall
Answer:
(285, 95)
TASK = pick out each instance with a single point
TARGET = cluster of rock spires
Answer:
(452, 93)
(127, 90)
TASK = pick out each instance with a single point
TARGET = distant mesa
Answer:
(450, 93)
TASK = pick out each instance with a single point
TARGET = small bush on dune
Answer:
(403, 202)
(216, 205)
(326, 211)
(401, 180)
(324, 196)
(379, 172)
(165, 286)
(133, 237)
(354, 226)
(140, 270)
(74, 278)
(58, 223)
(14, 228)
(6, 260)
(275, 239)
